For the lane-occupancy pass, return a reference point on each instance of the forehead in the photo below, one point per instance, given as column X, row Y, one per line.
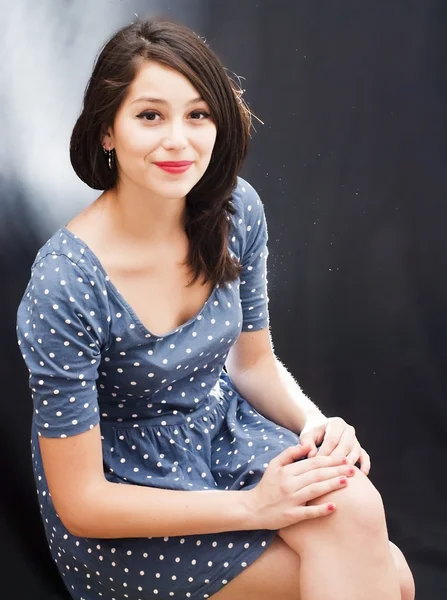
column 158, row 81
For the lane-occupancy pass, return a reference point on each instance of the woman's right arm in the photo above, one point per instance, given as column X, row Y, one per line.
column 63, row 331
column 92, row 507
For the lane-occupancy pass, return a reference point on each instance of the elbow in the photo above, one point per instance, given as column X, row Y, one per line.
column 81, row 516
column 77, row 524
column 76, row 530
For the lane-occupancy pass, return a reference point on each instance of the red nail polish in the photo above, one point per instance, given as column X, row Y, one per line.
column 343, row 480
column 331, row 507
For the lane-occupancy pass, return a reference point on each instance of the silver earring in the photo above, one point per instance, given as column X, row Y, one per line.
column 111, row 158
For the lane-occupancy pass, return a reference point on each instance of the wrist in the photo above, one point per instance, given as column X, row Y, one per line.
column 314, row 419
column 250, row 519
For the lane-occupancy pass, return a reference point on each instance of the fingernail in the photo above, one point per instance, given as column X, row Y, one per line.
column 343, row 480
column 331, row 507
column 344, row 460
column 351, row 470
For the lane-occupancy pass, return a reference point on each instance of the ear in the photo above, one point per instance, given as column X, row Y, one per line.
column 107, row 140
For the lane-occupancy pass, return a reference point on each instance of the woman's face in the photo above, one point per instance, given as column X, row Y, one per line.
column 162, row 119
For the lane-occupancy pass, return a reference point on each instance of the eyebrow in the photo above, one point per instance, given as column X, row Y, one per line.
column 160, row 101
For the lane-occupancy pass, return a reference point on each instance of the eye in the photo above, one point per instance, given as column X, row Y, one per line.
column 200, row 115
column 148, row 115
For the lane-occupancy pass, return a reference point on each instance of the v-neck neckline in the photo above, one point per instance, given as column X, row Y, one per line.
column 119, row 296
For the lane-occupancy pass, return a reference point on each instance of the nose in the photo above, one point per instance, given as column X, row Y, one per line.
column 175, row 136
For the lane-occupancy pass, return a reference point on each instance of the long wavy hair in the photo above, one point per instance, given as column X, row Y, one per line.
column 208, row 204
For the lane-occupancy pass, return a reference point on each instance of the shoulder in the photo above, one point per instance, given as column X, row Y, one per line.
column 246, row 201
column 61, row 243
column 65, row 277
column 249, row 224
column 64, row 258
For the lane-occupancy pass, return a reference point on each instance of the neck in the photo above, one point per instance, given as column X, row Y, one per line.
column 136, row 214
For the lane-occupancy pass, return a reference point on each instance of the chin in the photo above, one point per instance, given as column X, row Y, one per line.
column 172, row 190
column 175, row 189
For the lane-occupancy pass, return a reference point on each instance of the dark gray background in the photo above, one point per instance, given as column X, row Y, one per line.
column 351, row 165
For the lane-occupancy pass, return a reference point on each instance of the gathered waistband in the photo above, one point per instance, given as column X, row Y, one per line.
column 170, row 419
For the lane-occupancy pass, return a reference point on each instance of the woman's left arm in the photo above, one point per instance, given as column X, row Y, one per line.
column 266, row 384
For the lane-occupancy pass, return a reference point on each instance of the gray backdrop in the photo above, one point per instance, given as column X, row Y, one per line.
column 350, row 163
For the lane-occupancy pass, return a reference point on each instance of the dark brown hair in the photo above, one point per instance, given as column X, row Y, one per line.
column 209, row 203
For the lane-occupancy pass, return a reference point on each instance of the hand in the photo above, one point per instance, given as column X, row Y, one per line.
column 337, row 438
column 280, row 498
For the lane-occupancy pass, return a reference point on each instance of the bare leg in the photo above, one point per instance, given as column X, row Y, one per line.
column 276, row 576
column 273, row 576
column 346, row 556
column 407, row 588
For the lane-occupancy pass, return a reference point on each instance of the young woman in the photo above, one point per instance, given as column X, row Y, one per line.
column 165, row 430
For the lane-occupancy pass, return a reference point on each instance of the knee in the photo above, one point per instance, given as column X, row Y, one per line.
column 406, row 580
column 359, row 507
column 358, row 523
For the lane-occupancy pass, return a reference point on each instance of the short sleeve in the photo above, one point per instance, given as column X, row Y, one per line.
column 253, row 288
column 61, row 328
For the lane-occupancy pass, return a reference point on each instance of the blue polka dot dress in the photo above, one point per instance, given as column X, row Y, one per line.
column 169, row 414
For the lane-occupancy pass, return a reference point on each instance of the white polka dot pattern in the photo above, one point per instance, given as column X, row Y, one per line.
column 62, row 334
column 170, row 416
column 253, row 280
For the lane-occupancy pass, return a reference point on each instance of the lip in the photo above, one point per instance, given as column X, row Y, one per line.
column 174, row 167
column 174, row 163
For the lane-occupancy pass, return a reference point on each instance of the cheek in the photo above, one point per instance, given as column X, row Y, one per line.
column 206, row 141
column 135, row 139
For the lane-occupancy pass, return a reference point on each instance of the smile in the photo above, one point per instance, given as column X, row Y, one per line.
column 174, row 167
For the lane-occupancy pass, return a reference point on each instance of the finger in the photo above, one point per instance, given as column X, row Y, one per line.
column 316, row 433
column 291, row 454
column 304, row 513
column 315, row 490
column 354, row 455
column 318, row 445
column 318, row 462
column 365, row 462
column 308, row 439
column 332, row 436
column 347, row 442
column 322, row 475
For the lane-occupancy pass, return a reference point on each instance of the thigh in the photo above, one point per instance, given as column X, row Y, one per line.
column 359, row 509
column 273, row 576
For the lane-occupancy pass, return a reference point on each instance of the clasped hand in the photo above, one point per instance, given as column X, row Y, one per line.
column 321, row 463
column 335, row 438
